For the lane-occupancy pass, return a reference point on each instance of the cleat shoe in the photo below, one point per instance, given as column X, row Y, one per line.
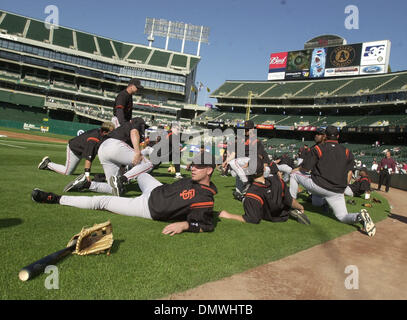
column 117, row 185
column 299, row 216
column 238, row 196
column 38, row 195
column 43, row 165
column 367, row 222
column 246, row 187
column 178, row 176
column 78, row 184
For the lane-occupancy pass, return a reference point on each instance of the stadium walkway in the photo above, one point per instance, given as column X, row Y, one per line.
column 319, row 272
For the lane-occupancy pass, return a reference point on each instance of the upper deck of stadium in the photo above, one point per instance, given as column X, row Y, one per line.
column 322, row 90
column 32, row 31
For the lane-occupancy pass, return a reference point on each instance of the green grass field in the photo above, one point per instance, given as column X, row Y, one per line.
column 144, row 263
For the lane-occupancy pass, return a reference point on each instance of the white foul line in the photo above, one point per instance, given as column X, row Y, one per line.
column 10, row 145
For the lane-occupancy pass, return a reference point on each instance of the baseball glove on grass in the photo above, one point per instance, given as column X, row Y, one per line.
column 93, row 240
column 299, row 216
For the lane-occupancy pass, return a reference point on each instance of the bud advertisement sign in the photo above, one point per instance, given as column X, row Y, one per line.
column 277, row 65
column 298, row 64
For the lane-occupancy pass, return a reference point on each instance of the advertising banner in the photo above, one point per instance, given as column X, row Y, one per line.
column 318, row 60
column 344, row 56
column 298, row 64
column 375, row 57
column 307, row 128
column 265, row 126
column 277, row 65
column 345, row 71
column 374, row 53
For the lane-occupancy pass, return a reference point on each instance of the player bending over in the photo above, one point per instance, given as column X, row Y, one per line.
column 84, row 146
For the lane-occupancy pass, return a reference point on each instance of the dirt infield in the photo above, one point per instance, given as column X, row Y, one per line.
column 26, row 136
column 319, row 272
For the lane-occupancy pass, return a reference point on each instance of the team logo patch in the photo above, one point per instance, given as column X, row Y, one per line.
column 187, row 194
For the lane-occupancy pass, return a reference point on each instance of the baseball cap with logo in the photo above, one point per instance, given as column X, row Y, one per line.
column 331, row 131
column 136, row 82
column 249, row 124
column 320, row 131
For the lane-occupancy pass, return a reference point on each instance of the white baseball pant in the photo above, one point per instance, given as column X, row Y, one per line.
column 286, row 170
column 71, row 163
column 116, row 122
column 135, row 207
column 237, row 166
column 335, row 200
column 112, row 154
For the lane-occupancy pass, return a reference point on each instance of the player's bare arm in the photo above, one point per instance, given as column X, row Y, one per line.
column 135, row 140
column 176, row 228
column 228, row 215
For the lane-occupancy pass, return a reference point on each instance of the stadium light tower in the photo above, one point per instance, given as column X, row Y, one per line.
column 176, row 30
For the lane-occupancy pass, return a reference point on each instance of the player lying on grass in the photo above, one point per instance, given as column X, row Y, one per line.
column 268, row 199
column 188, row 201
column 84, row 146
column 331, row 167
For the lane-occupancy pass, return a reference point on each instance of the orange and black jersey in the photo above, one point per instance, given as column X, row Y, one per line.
column 123, row 132
column 87, row 144
column 123, row 106
column 269, row 201
column 302, row 153
column 360, row 186
column 184, row 200
column 329, row 163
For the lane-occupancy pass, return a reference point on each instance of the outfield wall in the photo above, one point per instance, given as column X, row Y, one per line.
column 398, row 181
column 49, row 125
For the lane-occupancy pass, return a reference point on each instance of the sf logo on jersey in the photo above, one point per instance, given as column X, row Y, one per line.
column 187, row 194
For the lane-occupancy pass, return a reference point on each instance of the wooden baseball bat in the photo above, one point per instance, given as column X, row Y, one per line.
column 39, row 266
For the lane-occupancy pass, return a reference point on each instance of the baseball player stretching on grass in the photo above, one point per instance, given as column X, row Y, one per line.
column 331, row 168
column 189, row 201
column 268, row 199
column 120, row 147
column 83, row 146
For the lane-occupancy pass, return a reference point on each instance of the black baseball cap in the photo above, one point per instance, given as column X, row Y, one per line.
column 364, row 169
column 331, row 131
column 320, row 131
column 249, row 124
column 136, row 82
column 259, row 167
column 204, row 159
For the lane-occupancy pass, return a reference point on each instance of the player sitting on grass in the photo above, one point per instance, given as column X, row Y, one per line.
column 188, row 201
column 360, row 186
column 268, row 199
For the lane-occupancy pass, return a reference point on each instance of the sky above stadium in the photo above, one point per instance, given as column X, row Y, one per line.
column 243, row 33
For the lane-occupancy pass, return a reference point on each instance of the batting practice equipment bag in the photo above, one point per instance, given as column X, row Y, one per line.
column 93, row 240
